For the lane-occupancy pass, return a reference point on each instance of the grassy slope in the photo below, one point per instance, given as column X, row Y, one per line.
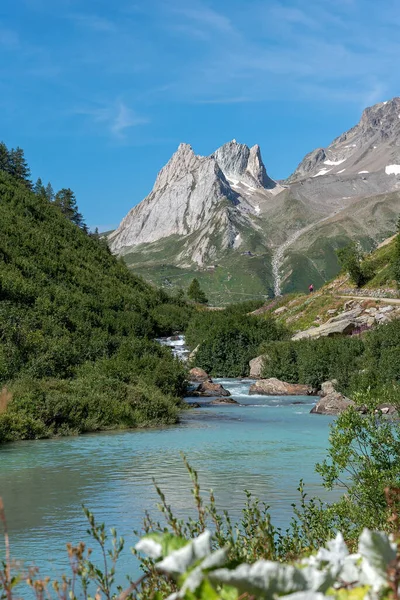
column 312, row 258
column 233, row 277
column 304, row 310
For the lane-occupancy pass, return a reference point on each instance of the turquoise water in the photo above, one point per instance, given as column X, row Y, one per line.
column 264, row 446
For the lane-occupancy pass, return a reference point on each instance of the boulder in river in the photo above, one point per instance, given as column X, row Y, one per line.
column 256, row 366
column 333, row 403
column 220, row 401
column 208, row 389
column 328, row 387
column 198, row 375
column 276, row 387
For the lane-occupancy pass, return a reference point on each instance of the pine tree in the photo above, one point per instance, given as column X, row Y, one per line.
column 66, row 201
column 39, row 188
column 196, row 293
column 4, row 158
column 19, row 167
column 49, row 192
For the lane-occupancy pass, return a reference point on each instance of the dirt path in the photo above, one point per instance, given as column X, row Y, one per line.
column 376, row 299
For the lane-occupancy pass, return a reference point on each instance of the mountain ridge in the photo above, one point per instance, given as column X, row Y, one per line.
column 207, row 212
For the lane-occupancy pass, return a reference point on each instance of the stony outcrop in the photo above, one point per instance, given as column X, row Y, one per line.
column 198, row 375
column 238, row 162
column 333, row 403
column 256, row 366
column 276, row 387
column 339, row 327
column 208, row 389
column 387, row 409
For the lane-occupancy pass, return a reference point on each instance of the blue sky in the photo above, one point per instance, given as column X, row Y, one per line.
column 100, row 93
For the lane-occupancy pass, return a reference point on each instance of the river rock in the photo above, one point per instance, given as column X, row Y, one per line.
column 209, row 389
column 256, row 366
column 193, row 353
column 328, row 387
column 198, row 375
column 219, row 401
column 276, row 387
column 333, row 403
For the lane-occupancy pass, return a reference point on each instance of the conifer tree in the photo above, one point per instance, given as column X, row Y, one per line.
column 4, row 158
column 49, row 192
column 196, row 293
column 19, row 167
column 39, row 188
column 66, row 201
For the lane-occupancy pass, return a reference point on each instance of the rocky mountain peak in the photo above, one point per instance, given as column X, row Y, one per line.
column 369, row 147
column 184, row 160
column 238, row 162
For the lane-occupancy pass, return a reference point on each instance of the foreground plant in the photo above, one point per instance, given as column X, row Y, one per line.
column 203, row 574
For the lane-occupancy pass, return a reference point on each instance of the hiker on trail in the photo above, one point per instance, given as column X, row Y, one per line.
column 311, row 288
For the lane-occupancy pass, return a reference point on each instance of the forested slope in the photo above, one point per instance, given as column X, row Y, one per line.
column 75, row 327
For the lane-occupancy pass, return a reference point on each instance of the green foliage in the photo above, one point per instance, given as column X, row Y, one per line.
column 171, row 318
column 196, row 293
column 75, row 327
column 65, row 200
column 228, row 340
column 352, row 261
column 244, row 308
column 364, row 459
column 313, row 361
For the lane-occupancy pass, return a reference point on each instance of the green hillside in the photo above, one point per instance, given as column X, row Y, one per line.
column 76, row 327
column 236, row 276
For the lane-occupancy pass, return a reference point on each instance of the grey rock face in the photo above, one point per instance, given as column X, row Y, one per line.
column 192, row 192
column 238, row 162
column 369, row 147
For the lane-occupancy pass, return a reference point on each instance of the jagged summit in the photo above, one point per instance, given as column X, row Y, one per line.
column 369, row 147
column 188, row 192
column 238, row 162
column 223, row 219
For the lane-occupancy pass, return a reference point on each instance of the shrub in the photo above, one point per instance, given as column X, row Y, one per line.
column 228, row 341
column 314, row 361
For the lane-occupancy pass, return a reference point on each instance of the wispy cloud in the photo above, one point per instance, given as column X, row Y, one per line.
column 116, row 118
column 267, row 50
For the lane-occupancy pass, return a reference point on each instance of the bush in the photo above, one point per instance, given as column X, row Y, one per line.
column 91, row 402
column 228, row 341
column 70, row 312
column 352, row 261
column 171, row 318
column 314, row 361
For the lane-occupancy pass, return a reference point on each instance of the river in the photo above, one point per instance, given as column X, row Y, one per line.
column 265, row 445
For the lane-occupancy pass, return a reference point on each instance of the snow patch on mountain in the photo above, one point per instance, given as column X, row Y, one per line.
column 334, row 163
column 392, row 170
